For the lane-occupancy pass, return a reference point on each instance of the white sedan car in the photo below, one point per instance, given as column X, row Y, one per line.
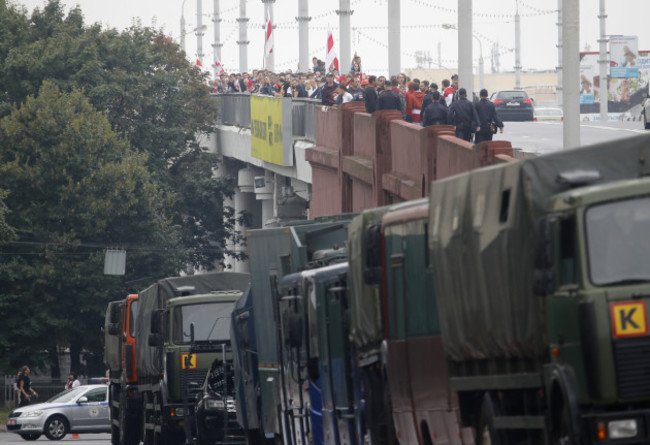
column 548, row 114
column 83, row 409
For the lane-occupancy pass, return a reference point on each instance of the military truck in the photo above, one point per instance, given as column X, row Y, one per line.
column 170, row 333
column 542, row 280
column 274, row 405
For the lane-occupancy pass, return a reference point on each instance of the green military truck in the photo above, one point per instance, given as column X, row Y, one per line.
column 170, row 333
column 542, row 277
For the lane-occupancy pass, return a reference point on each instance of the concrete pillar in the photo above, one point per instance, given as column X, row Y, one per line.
column 243, row 37
column 303, row 35
column 239, row 202
column 558, row 68
column 199, row 30
column 269, row 62
column 183, row 26
column 517, row 49
column 345, row 35
column 394, row 38
column 603, row 63
column 465, row 36
column 216, row 46
column 571, row 72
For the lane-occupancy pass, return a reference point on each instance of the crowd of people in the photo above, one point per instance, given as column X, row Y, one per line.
column 420, row 101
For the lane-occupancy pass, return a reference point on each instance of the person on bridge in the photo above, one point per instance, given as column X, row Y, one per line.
column 390, row 99
column 328, row 92
column 462, row 114
column 370, row 95
column 487, row 117
column 435, row 113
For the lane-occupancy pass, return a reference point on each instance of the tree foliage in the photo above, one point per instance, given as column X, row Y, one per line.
column 99, row 147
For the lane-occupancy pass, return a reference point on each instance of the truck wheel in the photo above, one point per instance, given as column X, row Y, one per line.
column 129, row 431
column 563, row 434
column 147, row 434
column 486, row 434
column 56, row 428
column 115, row 435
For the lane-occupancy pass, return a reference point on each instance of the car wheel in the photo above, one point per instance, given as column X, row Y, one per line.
column 56, row 428
column 30, row 436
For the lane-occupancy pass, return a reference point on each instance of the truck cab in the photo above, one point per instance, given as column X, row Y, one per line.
column 595, row 247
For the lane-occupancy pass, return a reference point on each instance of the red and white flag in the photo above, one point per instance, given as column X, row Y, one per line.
column 219, row 68
column 332, row 57
column 198, row 63
column 268, row 45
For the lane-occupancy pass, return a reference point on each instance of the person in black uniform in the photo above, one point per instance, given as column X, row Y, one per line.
column 487, row 115
column 463, row 115
column 435, row 113
column 370, row 95
column 389, row 100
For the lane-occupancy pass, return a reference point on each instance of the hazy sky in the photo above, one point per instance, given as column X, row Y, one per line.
column 421, row 28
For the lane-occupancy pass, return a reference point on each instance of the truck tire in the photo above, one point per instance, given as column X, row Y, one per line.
column 486, row 434
column 562, row 433
column 147, row 434
column 115, row 435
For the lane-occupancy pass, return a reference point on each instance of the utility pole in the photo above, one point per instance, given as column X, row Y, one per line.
column 199, row 30
column 183, row 26
column 303, row 20
column 243, row 37
column 465, row 35
column 345, row 34
column 394, row 38
column 216, row 46
column 268, row 12
column 603, row 64
column 558, row 68
column 517, row 48
column 571, row 72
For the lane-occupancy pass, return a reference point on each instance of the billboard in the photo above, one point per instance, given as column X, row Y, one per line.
column 587, row 95
column 272, row 130
column 624, row 52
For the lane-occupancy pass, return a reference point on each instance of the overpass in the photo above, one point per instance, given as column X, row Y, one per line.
column 296, row 159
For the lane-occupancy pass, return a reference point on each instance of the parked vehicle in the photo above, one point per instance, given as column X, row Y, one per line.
column 83, row 409
column 510, row 306
column 170, row 334
column 548, row 114
column 645, row 110
column 513, row 105
column 215, row 410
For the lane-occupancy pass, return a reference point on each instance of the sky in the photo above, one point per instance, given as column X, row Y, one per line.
column 421, row 21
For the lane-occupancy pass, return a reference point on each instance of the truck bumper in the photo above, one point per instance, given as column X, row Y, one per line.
column 175, row 418
column 617, row 428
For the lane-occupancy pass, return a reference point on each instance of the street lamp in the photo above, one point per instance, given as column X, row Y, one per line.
column 183, row 26
column 480, row 48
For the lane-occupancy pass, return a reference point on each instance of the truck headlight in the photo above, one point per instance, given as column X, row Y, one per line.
column 214, row 404
column 622, row 429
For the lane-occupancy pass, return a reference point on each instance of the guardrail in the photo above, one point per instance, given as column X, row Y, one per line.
column 235, row 110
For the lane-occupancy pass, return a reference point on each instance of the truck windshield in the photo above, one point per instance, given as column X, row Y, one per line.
column 211, row 322
column 618, row 238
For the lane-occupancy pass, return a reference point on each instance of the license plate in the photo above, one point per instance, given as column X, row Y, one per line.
column 513, row 104
column 11, row 422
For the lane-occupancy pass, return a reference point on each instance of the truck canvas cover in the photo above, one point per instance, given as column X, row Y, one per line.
column 148, row 359
column 482, row 239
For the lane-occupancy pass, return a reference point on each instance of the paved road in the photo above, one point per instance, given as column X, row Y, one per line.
column 84, row 439
column 545, row 137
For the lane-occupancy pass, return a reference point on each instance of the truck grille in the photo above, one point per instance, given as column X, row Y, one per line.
column 196, row 376
column 632, row 357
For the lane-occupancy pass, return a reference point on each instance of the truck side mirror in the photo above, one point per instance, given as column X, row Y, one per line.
column 115, row 313
column 155, row 340
column 295, row 330
column 156, row 322
column 543, row 274
column 113, row 329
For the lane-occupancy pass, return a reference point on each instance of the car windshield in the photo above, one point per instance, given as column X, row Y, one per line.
column 67, row 395
column 211, row 321
column 618, row 241
column 507, row 95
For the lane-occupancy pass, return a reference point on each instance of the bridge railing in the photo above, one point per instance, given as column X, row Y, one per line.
column 235, row 109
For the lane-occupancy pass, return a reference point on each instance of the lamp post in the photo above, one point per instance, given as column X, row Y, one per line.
column 183, row 26
column 480, row 58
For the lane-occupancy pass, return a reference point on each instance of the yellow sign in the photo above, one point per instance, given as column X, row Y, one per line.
column 188, row 361
column 267, row 139
column 629, row 319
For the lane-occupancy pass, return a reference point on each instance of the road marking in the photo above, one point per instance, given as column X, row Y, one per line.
column 612, row 128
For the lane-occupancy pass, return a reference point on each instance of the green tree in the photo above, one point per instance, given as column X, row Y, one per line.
column 76, row 187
